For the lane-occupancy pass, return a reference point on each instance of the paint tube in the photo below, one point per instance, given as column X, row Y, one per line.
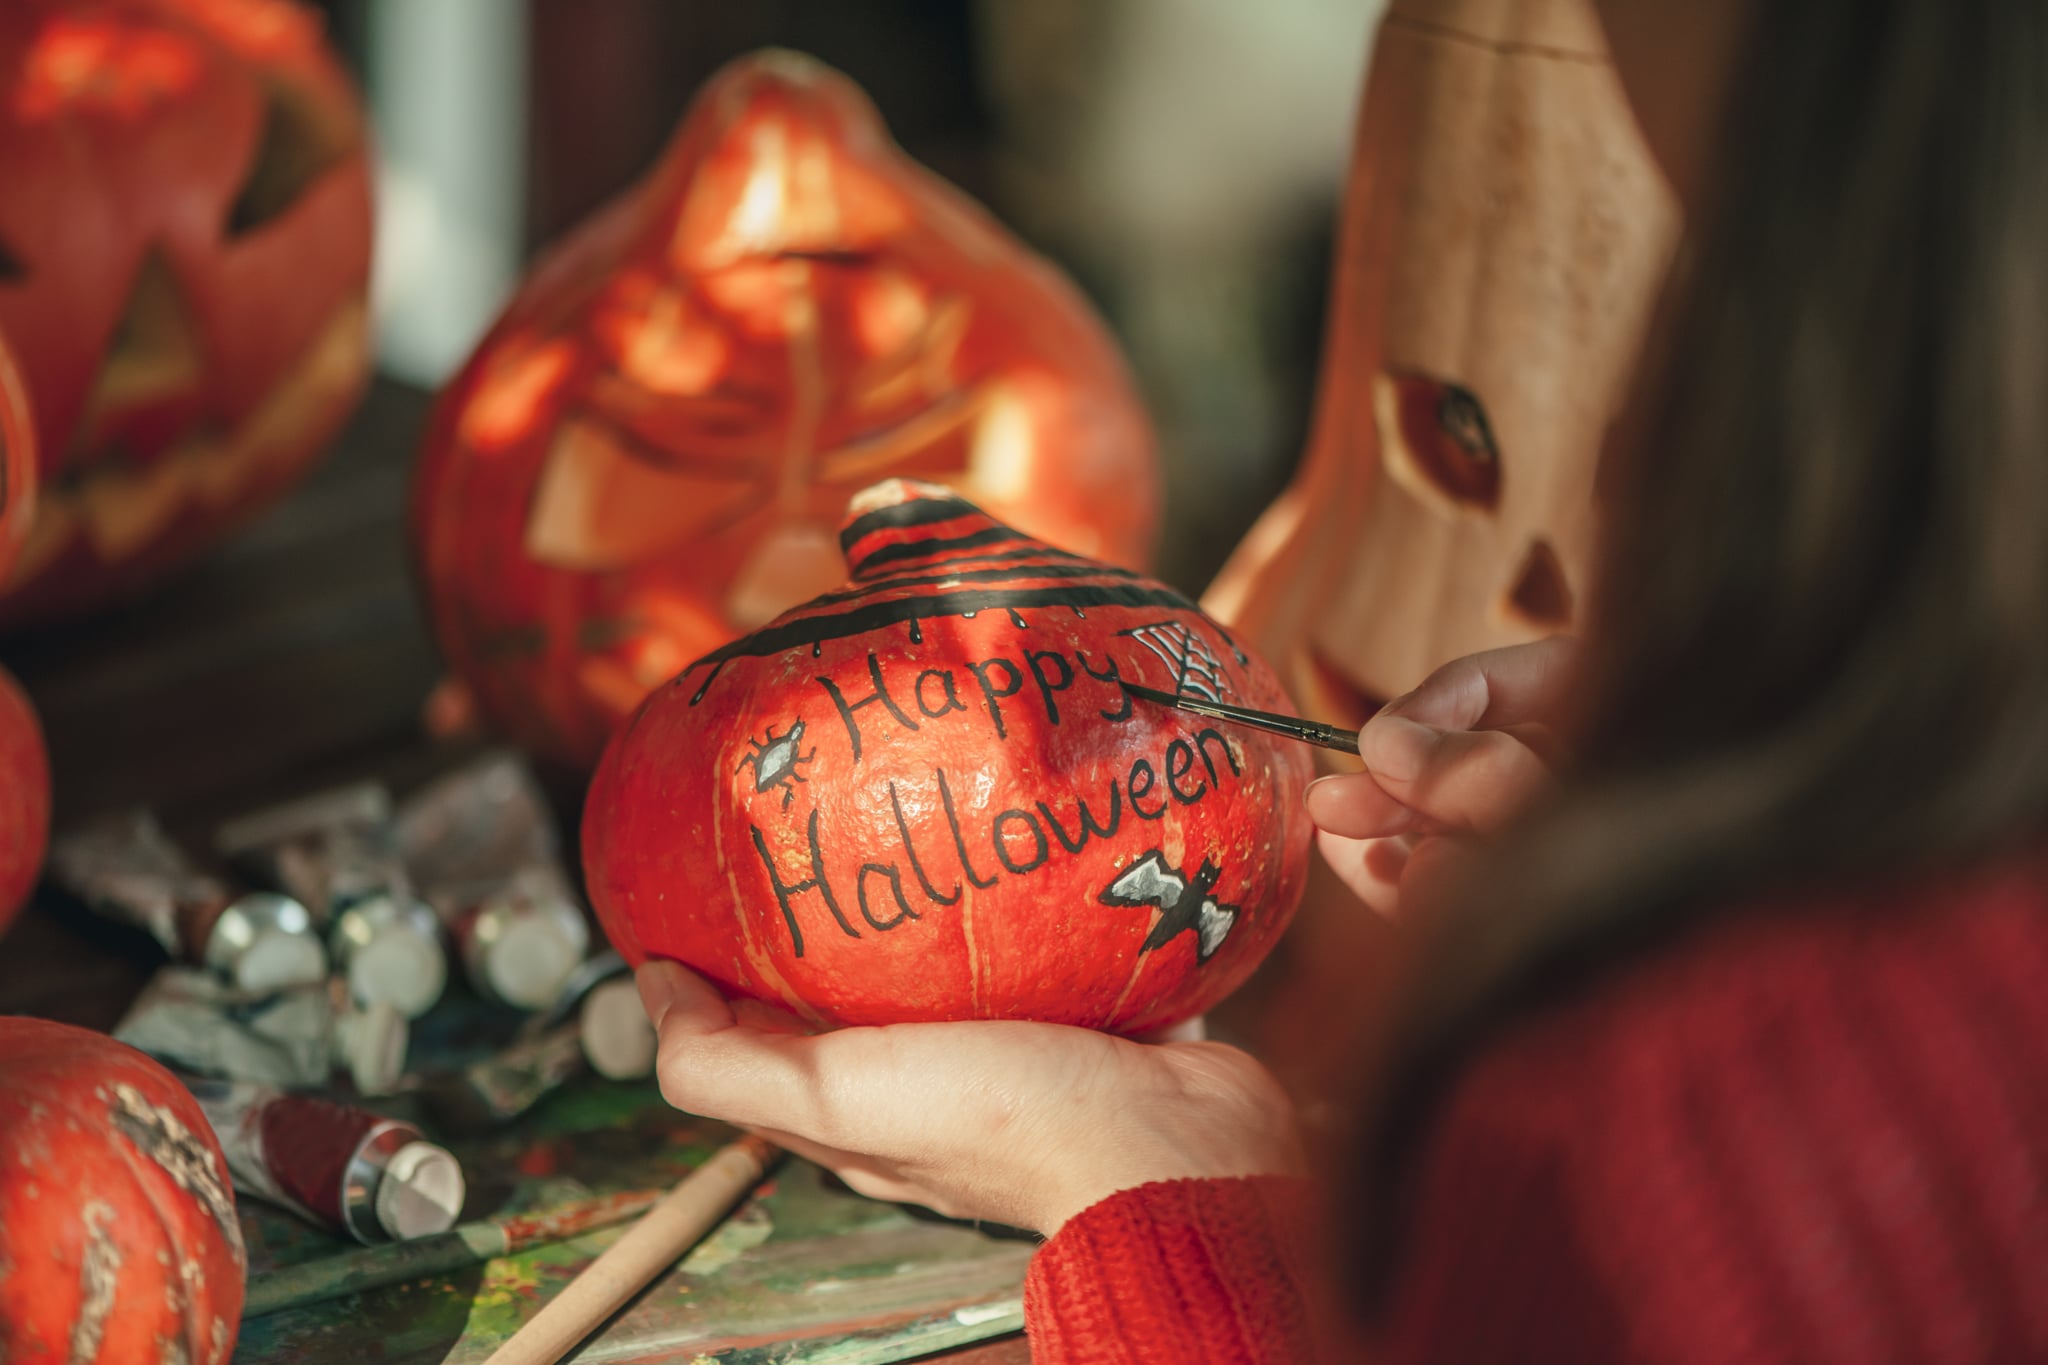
column 190, row 1020
column 336, row 851
column 125, row 868
column 618, row 1041
column 480, row 845
column 351, row 1171
column 503, row 1086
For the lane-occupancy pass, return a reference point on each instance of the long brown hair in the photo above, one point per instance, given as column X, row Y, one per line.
column 1820, row 650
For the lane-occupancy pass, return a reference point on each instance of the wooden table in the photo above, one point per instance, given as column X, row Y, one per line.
column 292, row 658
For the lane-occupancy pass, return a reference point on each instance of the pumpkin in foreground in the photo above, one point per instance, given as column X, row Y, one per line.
column 927, row 796
column 118, row 1238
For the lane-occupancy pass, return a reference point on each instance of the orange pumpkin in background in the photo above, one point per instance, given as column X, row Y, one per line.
column 184, row 266
column 24, row 764
column 651, row 452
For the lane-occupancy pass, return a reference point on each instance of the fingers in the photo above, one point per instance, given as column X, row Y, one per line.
column 1371, row 868
column 711, row 1063
column 1493, row 689
column 1355, row 806
column 1192, row 1030
column 1455, row 779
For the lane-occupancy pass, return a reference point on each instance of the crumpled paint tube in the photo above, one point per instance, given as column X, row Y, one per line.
column 191, row 1021
column 125, row 868
column 336, row 851
column 480, row 844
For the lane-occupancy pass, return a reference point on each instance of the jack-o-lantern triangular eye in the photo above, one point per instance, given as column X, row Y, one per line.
column 11, row 266
column 299, row 142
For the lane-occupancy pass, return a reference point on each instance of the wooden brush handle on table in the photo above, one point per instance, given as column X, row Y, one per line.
column 677, row 1222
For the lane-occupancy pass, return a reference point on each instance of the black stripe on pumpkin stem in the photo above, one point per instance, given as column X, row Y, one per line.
column 997, row 534
column 903, row 515
column 1013, row 574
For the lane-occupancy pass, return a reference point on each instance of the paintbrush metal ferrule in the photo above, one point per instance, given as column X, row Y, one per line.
column 1272, row 722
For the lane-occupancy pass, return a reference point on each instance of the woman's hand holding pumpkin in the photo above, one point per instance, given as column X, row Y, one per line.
column 1017, row 1123
column 1458, row 756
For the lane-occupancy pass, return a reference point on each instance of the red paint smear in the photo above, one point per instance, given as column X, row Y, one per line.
column 541, row 1160
column 563, row 1224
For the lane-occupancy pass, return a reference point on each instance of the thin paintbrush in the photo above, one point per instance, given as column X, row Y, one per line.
column 352, row 1272
column 1272, row 722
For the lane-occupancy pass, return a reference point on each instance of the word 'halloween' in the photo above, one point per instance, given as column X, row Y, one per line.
column 1018, row 841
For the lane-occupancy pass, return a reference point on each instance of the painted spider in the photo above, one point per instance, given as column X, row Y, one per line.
column 775, row 761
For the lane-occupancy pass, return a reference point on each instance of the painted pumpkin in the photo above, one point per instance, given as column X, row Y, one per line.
column 24, row 764
column 648, row 454
column 184, row 261
column 1504, row 236
column 118, row 1238
column 928, row 795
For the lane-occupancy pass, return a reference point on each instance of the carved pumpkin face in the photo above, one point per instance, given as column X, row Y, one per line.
column 24, row 765
column 184, row 260
column 649, row 453
column 1504, row 236
column 928, row 796
column 118, row 1237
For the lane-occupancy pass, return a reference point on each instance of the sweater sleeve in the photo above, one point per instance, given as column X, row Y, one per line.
column 1182, row 1270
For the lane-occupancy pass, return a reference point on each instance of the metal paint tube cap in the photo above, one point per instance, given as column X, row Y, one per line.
column 529, row 953
column 265, row 943
column 421, row 1192
column 390, row 948
column 617, row 1039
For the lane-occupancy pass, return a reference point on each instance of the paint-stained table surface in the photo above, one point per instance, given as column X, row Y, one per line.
column 295, row 657
column 805, row 1271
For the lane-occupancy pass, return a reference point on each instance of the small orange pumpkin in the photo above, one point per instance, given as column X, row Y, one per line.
column 929, row 796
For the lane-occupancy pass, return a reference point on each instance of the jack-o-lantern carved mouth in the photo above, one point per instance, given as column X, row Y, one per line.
column 120, row 506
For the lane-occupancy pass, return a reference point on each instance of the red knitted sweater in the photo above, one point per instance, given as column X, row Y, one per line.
column 1809, row 1137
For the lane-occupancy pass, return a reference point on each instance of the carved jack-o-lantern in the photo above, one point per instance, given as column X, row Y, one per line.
column 928, row 796
column 650, row 452
column 24, row 766
column 184, row 260
column 1504, row 236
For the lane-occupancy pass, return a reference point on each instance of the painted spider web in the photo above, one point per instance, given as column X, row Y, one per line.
column 1197, row 672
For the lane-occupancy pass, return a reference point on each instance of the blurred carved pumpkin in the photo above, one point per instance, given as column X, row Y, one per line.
column 24, row 765
column 1503, row 239
column 184, row 261
column 651, row 451
column 118, row 1238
